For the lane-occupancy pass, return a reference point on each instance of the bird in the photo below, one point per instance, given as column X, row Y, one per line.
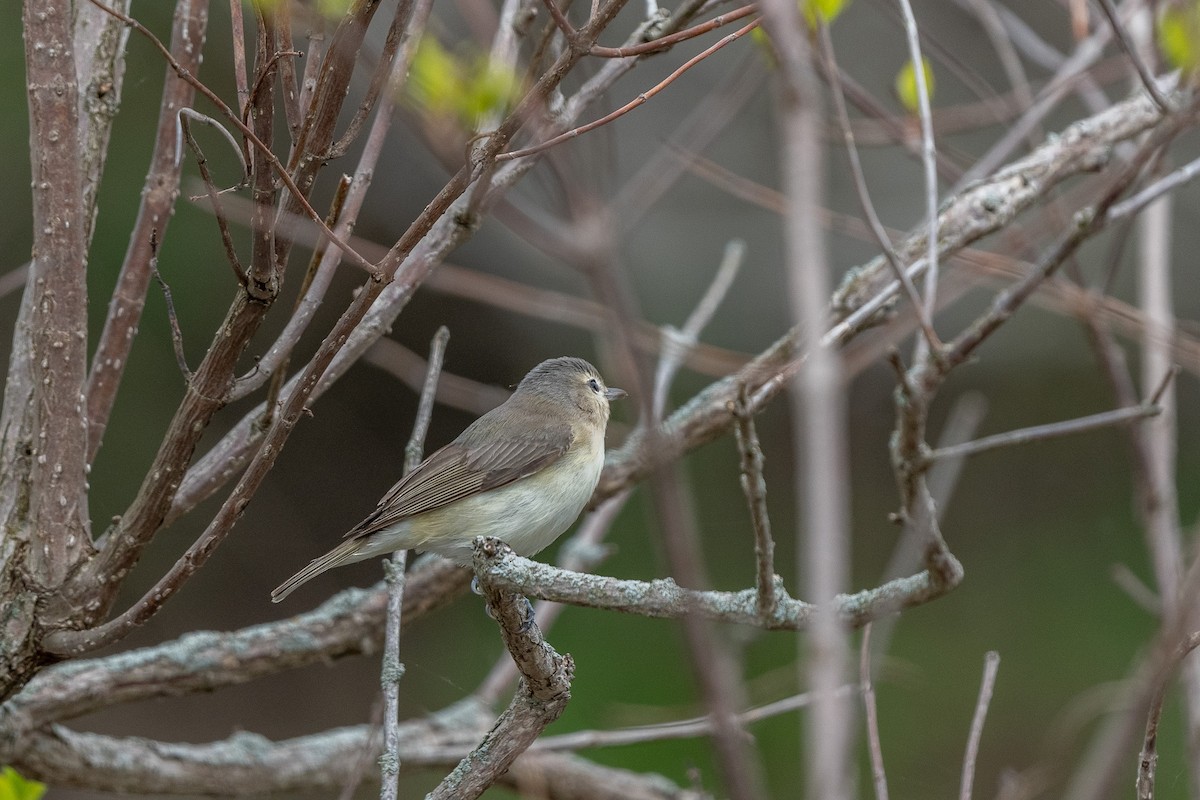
column 522, row 472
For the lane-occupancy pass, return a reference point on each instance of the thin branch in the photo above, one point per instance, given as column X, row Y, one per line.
column 159, row 191
column 276, row 359
column 678, row 729
column 393, row 669
column 632, row 104
column 210, row 188
column 250, row 765
column 176, row 334
column 818, row 407
column 386, row 78
column 874, row 747
column 540, row 699
column 929, row 161
column 1148, row 757
column 268, row 156
column 989, row 205
column 1053, row 430
column 1137, row 202
column 991, row 664
column 677, row 345
column 560, row 20
column 278, row 373
column 239, row 54
column 287, row 70
column 349, row 623
column 755, row 489
column 664, row 42
column 863, row 194
column 1131, row 53
column 1086, row 53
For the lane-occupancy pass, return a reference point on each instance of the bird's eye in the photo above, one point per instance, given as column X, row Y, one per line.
column 594, row 385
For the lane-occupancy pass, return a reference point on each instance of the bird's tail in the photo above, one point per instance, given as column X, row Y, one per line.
column 344, row 553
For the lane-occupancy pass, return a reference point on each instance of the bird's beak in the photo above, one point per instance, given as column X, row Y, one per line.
column 613, row 393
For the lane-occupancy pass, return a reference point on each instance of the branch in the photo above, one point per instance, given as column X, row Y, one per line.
column 159, row 193
column 991, row 204
column 349, row 623
column 395, row 579
column 1053, row 430
column 991, row 665
column 541, row 696
column 632, row 104
column 384, row 277
column 929, row 162
column 755, row 489
column 664, row 599
column 247, row 765
column 56, row 514
column 269, row 157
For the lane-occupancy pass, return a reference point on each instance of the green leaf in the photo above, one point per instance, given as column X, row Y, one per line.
column 825, row 10
column 906, row 85
column 434, row 80
column 14, row 787
column 1179, row 36
column 445, row 85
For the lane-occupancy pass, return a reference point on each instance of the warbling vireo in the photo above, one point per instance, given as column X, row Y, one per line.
column 522, row 473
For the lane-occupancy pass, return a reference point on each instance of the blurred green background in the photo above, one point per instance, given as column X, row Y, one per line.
column 1038, row 528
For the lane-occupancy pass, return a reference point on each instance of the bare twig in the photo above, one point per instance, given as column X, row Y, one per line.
column 386, row 78
column 1053, row 430
column 276, row 359
column 393, row 669
column 864, row 196
column 287, row 71
column 247, row 764
column 818, row 408
column 865, row 685
column 239, row 55
column 1118, row 28
column 677, row 345
column 665, row 599
column 263, row 149
column 662, row 43
column 678, row 729
column 929, row 161
column 632, row 104
column 755, row 489
column 160, row 189
column 210, row 188
column 1137, row 202
column 991, row 664
column 176, row 334
column 540, row 698
column 278, row 373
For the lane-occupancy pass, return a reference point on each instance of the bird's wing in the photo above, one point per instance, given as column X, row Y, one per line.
column 459, row 470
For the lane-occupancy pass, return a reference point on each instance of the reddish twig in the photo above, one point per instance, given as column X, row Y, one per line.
column 625, row 109
column 268, row 156
column 214, row 196
column 665, row 42
column 176, row 333
column 238, row 34
column 160, row 189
